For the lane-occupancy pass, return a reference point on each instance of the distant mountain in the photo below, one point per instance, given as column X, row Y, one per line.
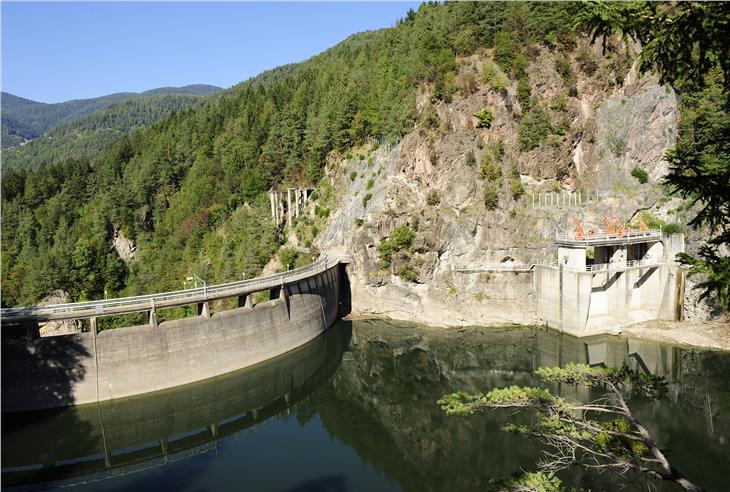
column 195, row 89
column 24, row 119
column 86, row 136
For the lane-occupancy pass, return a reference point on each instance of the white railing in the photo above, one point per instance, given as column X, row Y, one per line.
column 605, row 236
column 167, row 299
column 505, row 267
column 623, row 265
column 561, row 199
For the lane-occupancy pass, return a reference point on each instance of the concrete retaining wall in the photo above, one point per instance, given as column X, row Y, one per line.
column 588, row 303
column 77, row 369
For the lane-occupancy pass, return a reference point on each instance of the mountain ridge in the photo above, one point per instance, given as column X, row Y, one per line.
column 25, row 119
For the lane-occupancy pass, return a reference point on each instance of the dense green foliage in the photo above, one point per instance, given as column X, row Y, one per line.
column 700, row 172
column 528, row 481
column 86, row 136
column 491, row 196
column 687, row 44
column 401, row 239
column 534, row 128
column 516, row 188
column 484, row 118
column 23, row 119
column 190, row 190
column 640, row 175
column 433, row 198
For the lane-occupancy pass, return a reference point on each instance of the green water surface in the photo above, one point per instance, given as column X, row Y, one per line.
column 356, row 409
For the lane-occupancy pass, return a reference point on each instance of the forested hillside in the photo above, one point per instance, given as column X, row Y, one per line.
column 86, row 136
column 190, row 191
column 23, row 119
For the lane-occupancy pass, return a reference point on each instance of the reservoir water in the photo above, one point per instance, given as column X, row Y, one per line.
column 356, row 409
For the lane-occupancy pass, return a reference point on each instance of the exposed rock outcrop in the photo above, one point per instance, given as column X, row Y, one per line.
column 125, row 247
column 430, row 183
column 55, row 328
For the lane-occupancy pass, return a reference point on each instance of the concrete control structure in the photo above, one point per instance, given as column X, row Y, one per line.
column 605, row 280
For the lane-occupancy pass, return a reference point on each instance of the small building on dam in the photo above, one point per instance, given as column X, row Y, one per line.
column 604, row 280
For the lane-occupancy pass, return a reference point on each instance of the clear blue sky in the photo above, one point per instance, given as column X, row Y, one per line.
column 53, row 52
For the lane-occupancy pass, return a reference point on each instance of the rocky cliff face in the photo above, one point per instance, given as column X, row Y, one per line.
column 599, row 130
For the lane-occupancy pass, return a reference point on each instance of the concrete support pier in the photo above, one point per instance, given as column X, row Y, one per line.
column 603, row 282
column 285, row 210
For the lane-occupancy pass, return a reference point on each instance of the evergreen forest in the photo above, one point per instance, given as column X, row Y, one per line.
column 190, row 190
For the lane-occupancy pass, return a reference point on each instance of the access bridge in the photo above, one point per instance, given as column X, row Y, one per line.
column 200, row 296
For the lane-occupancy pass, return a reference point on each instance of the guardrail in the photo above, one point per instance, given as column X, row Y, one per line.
column 623, row 265
column 506, row 267
column 164, row 299
column 598, row 237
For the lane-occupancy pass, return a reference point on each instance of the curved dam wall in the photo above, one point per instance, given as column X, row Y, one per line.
column 86, row 368
column 122, row 436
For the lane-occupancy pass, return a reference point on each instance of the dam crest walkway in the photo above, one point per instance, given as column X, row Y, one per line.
column 150, row 302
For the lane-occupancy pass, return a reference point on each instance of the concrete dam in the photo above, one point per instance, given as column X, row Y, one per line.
column 601, row 280
column 115, row 437
column 90, row 367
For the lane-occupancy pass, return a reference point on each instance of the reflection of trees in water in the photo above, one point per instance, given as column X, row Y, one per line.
column 382, row 400
column 137, row 432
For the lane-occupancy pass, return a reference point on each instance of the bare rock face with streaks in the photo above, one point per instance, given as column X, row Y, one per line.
column 125, row 247
column 441, row 180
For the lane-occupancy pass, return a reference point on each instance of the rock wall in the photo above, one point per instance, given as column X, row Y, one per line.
column 615, row 121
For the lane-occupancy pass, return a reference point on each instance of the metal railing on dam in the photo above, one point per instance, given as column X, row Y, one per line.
column 602, row 238
column 123, row 305
column 98, row 365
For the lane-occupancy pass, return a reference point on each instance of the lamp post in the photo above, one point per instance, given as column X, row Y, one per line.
column 197, row 279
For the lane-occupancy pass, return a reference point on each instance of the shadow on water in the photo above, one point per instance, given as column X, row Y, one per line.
column 90, row 442
column 38, row 372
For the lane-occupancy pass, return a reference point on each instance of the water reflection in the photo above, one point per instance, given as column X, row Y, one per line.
column 122, row 436
column 368, row 388
column 382, row 402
